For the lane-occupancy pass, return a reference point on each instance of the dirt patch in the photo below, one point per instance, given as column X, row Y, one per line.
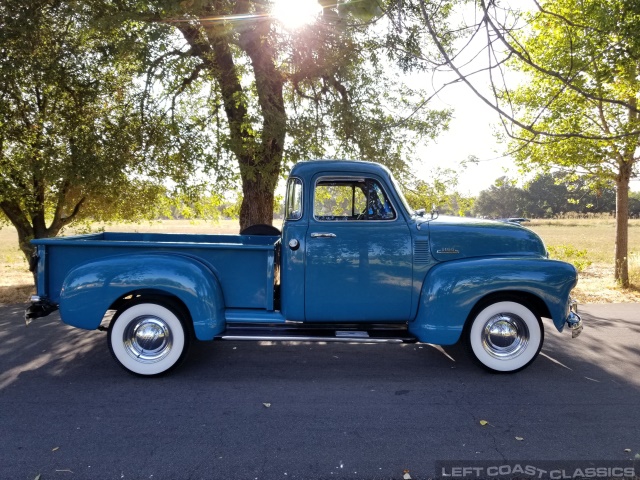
column 596, row 285
column 13, row 294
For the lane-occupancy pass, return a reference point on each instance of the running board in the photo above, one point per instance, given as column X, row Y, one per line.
column 298, row 338
column 318, row 333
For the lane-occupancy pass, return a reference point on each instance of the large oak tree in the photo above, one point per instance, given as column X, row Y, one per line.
column 322, row 90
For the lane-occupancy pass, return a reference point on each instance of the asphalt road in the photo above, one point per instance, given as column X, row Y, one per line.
column 244, row 410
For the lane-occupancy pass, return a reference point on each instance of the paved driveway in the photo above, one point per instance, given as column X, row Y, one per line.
column 243, row 410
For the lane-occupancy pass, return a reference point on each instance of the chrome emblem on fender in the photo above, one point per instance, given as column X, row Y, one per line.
column 447, row 250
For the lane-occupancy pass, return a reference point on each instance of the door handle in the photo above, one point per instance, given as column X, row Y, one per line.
column 323, row 235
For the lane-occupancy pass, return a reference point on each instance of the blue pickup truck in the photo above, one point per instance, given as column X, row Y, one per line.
column 353, row 263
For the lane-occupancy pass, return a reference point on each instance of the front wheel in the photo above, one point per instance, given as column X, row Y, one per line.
column 505, row 336
column 148, row 338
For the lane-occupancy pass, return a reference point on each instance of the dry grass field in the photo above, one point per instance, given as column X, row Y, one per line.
column 588, row 243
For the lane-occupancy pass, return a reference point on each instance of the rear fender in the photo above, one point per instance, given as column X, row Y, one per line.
column 90, row 289
column 452, row 289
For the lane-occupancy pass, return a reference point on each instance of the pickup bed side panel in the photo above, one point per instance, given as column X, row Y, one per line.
column 452, row 289
column 89, row 290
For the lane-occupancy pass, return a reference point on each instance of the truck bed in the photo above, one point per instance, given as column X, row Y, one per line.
column 245, row 265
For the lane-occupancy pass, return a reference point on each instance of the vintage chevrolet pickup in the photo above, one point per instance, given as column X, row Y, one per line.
column 354, row 263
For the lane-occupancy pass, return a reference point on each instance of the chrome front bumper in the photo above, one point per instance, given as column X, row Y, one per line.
column 573, row 320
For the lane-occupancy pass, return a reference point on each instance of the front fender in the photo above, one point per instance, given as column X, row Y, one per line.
column 452, row 289
column 90, row 289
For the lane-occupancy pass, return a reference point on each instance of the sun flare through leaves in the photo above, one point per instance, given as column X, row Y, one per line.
column 293, row 14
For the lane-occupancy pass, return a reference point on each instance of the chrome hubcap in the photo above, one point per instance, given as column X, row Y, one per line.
column 147, row 339
column 505, row 336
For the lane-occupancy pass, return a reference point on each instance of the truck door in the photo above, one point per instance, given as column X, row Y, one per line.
column 358, row 253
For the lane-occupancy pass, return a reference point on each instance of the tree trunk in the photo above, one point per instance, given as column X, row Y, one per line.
column 626, row 162
column 622, row 227
column 257, row 203
column 21, row 224
column 259, row 154
column 23, row 228
column 33, row 225
column 260, row 174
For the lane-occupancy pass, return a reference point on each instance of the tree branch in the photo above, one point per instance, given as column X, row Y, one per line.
column 495, row 106
column 551, row 73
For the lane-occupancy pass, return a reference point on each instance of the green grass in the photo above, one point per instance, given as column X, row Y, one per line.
column 568, row 253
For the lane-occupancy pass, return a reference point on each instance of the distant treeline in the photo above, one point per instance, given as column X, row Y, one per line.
column 549, row 196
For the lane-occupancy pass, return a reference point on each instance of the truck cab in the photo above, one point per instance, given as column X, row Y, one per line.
column 346, row 245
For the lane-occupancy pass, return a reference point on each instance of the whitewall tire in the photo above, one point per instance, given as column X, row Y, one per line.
column 148, row 338
column 505, row 336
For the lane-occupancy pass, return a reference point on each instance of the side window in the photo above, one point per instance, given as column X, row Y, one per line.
column 293, row 202
column 338, row 201
column 349, row 200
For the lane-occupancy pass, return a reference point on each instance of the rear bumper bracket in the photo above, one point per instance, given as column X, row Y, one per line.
column 40, row 307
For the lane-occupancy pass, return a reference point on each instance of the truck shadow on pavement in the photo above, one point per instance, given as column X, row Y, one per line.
column 54, row 349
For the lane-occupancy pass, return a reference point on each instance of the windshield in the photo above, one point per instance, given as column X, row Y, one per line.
column 396, row 185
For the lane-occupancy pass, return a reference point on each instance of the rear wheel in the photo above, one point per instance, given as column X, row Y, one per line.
column 148, row 338
column 505, row 336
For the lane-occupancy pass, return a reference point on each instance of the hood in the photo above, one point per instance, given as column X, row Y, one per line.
column 453, row 238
